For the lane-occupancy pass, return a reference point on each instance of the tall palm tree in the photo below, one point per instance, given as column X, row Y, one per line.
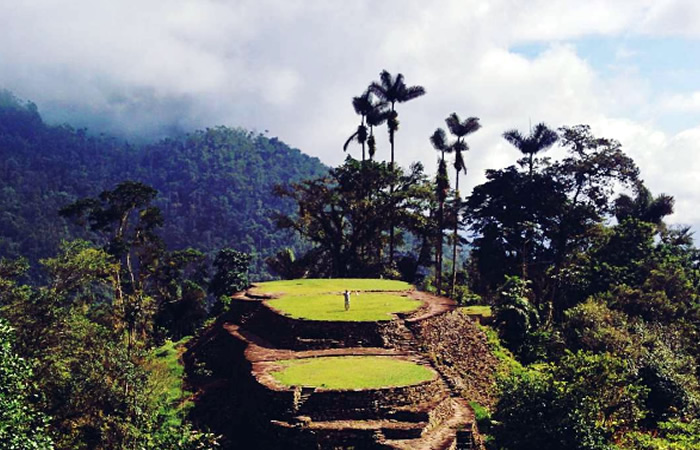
column 460, row 129
column 439, row 141
column 363, row 106
column 539, row 139
column 393, row 90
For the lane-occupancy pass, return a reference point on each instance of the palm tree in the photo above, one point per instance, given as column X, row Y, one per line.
column 392, row 91
column 460, row 130
column 439, row 141
column 363, row 106
column 376, row 117
column 540, row 139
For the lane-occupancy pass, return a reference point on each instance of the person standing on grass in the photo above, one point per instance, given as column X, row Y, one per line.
column 346, row 294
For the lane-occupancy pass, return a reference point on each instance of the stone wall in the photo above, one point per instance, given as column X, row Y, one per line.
column 460, row 352
column 298, row 334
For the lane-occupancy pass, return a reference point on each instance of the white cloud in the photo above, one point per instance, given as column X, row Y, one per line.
column 689, row 102
column 293, row 66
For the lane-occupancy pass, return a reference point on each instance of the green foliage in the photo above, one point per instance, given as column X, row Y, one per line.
column 96, row 382
column 508, row 365
column 671, row 435
column 593, row 326
column 231, row 272
column 513, row 313
column 581, row 403
column 345, row 216
column 22, row 426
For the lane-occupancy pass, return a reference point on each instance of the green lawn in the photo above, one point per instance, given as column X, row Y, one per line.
column 351, row 372
column 365, row 307
column 320, row 286
column 479, row 310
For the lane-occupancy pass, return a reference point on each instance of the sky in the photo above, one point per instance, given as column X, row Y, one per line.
column 289, row 68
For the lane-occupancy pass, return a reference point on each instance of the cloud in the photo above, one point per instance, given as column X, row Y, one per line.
column 689, row 102
column 292, row 67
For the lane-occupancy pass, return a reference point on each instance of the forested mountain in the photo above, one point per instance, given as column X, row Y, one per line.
column 215, row 186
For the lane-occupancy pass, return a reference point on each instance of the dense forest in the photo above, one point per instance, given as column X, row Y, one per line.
column 593, row 297
column 214, row 186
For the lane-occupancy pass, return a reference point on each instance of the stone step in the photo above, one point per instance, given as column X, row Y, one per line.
column 426, row 412
column 444, row 435
column 390, row 429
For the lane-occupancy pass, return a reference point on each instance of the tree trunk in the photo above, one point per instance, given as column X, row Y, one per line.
column 438, row 249
column 391, row 195
column 455, row 238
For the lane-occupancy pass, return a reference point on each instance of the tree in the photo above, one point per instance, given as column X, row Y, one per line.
column 392, row 91
column 372, row 114
column 460, row 130
column 375, row 117
column 100, row 394
column 345, row 214
column 539, row 139
column 231, row 274
column 513, row 313
column 442, row 184
column 584, row 402
column 127, row 223
column 644, row 206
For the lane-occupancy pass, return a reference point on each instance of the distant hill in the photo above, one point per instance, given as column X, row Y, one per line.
column 215, row 186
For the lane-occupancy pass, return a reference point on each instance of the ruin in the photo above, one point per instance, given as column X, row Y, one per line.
column 255, row 338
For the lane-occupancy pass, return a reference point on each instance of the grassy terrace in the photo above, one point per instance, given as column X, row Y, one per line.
column 351, row 372
column 365, row 307
column 322, row 299
column 321, row 286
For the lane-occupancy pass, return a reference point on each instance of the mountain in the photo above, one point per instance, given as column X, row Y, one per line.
column 215, row 185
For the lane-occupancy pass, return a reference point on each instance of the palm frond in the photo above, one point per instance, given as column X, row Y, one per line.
column 439, row 140
column 452, row 122
column 515, row 138
column 471, row 125
column 544, row 136
column 350, row 139
column 363, row 103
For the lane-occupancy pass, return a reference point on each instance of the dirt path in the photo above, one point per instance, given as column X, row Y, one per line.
column 433, row 306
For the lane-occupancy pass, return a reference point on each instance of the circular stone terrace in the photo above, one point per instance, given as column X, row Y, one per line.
column 319, row 303
column 356, row 371
column 371, row 300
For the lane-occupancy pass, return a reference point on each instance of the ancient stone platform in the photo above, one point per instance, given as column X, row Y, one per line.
column 425, row 415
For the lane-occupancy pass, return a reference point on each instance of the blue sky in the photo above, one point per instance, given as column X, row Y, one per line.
column 666, row 65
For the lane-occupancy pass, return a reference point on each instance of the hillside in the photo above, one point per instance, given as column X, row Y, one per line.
column 215, row 186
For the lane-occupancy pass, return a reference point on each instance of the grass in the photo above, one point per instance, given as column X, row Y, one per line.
column 478, row 310
column 321, row 286
column 351, row 372
column 507, row 364
column 365, row 307
column 168, row 374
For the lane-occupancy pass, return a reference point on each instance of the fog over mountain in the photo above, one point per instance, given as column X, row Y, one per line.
column 157, row 68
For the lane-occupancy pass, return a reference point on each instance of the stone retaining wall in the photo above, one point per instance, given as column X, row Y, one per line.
column 298, row 334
